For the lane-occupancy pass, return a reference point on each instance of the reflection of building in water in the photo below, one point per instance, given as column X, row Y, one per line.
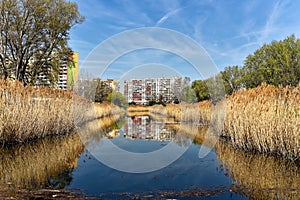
column 141, row 127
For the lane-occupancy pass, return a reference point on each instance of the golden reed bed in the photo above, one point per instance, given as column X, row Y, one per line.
column 138, row 108
column 198, row 113
column 27, row 112
column 264, row 119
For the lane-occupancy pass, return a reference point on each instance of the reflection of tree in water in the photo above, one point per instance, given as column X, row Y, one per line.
column 61, row 180
column 118, row 124
column 181, row 140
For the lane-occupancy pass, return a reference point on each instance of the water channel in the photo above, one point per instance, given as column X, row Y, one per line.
column 67, row 162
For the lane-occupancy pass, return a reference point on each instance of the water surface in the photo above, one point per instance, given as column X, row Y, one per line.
column 225, row 173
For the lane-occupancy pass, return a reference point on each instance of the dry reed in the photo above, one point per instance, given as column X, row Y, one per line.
column 138, row 108
column 27, row 112
column 198, row 113
column 265, row 119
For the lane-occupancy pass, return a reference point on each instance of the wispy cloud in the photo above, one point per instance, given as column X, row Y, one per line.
column 167, row 15
column 270, row 23
column 228, row 30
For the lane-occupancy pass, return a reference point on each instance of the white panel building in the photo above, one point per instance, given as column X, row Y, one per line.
column 142, row 91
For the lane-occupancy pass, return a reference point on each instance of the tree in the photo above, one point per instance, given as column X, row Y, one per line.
column 188, row 95
column 201, row 90
column 211, row 89
column 34, row 37
column 232, row 79
column 118, row 99
column 102, row 90
column 276, row 63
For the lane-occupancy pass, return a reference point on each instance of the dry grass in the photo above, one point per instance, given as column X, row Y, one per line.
column 265, row 119
column 27, row 113
column 265, row 177
column 159, row 110
column 132, row 114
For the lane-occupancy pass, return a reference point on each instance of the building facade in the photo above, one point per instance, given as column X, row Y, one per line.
column 142, row 91
column 68, row 73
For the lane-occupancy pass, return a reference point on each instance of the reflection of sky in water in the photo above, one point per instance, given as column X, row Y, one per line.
column 137, row 160
column 140, row 146
column 185, row 173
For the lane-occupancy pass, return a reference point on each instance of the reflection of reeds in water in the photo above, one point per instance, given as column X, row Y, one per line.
column 265, row 177
column 162, row 118
column 31, row 165
column 203, row 135
column 98, row 128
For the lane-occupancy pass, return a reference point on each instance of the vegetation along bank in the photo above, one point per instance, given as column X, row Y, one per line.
column 27, row 112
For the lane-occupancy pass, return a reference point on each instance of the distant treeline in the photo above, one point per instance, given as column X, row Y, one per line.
column 277, row 63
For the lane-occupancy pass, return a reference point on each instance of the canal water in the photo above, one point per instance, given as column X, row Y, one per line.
column 72, row 162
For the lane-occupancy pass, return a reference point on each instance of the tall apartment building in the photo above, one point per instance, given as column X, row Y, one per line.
column 68, row 73
column 67, row 76
column 142, row 91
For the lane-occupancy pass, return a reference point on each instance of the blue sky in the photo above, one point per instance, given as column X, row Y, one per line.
column 228, row 30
